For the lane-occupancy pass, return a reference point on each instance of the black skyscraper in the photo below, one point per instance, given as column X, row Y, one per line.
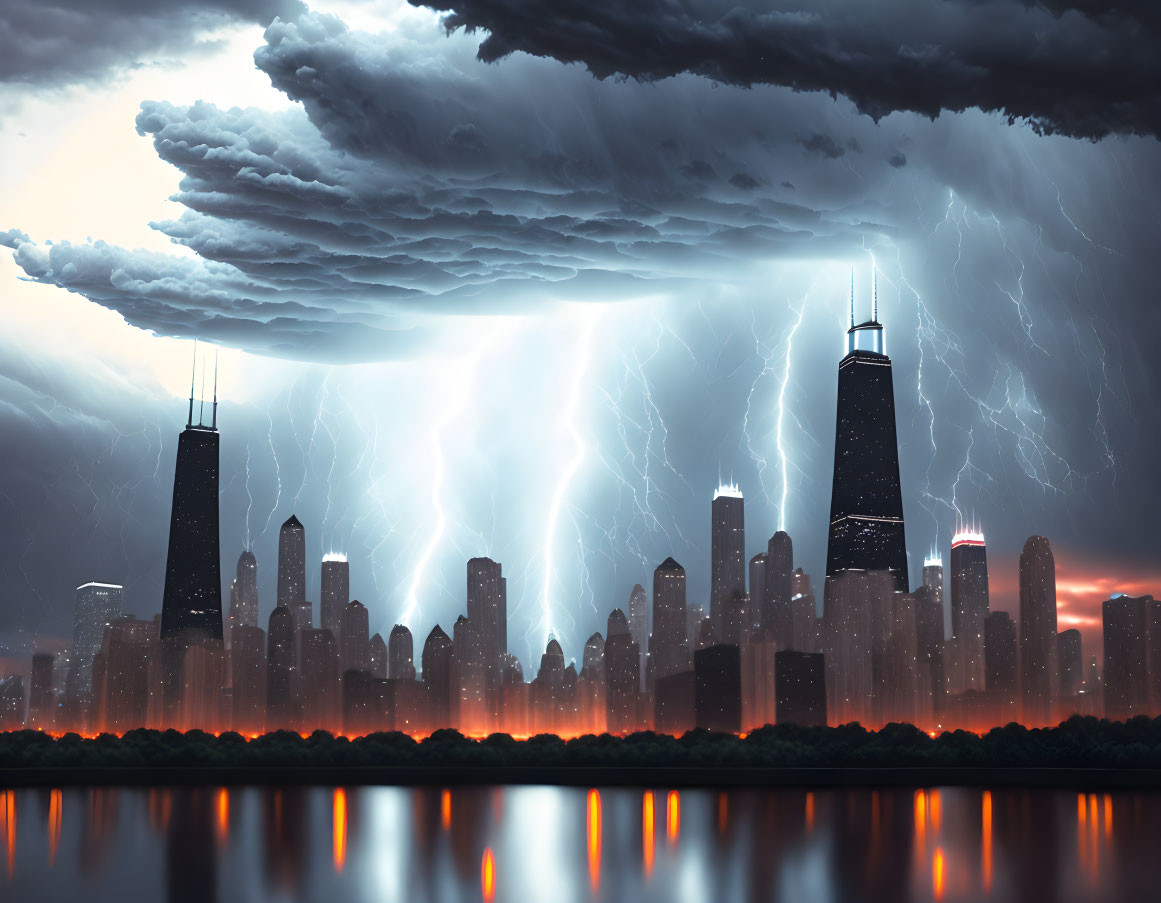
column 866, row 508
column 718, row 688
column 193, row 578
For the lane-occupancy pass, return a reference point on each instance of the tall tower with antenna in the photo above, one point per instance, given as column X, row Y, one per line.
column 866, row 509
column 192, row 600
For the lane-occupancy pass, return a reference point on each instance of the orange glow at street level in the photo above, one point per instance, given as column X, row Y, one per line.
column 809, row 812
column 593, row 832
column 488, row 876
column 8, row 818
column 723, row 812
column 223, row 817
column 445, row 809
column 54, row 822
column 673, row 816
column 339, row 827
column 937, row 877
column 987, row 841
column 936, row 811
column 647, row 834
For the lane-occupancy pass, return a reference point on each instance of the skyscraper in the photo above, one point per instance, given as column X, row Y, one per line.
column 41, row 697
column 335, row 591
column 1038, row 668
column 718, row 688
column 292, row 572
column 757, row 590
column 933, row 584
column 622, row 676
column 243, row 595
column 488, row 612
column 969, row 608
column 437, row 678
column 800, row 688
column 727, row 551
column 192, row 599
column 670, row 649
column 280, row 709
column 866, row 508
column 98, row 605
column 776, row 611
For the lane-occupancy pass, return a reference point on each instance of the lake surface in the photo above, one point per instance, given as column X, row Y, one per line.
column 532, row 844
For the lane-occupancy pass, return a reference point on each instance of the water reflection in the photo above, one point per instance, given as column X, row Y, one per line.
column 214, row 845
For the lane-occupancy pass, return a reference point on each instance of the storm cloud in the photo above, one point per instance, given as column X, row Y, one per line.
column 56, row 42
column 1080, row 68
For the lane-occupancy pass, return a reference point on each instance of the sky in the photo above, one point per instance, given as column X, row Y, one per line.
column 529, row 280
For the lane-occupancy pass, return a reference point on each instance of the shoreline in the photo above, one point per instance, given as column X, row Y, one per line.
column 805, row 778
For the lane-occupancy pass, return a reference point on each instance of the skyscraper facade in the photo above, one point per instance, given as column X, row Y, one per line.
column 97, row 606
column 354, row 638
column 335, row 591
column 488, row 612
column 1001, row 658
column 866, row 509
column 969, row 608
column 727, row 551
column 639, row 625
column 192, row 599
column 670, row 649
column 1070, row 661
column 1128, row 640
column 292, row 572
column 779, row 589
column 1038, row 666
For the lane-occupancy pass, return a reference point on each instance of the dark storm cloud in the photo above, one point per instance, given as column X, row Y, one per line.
column 1081, row 68
column 54, row 42
column 406, row 189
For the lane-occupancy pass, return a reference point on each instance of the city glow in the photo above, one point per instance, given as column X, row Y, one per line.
column 593, row 837
column 339, row 827
column 648, row 836
column 673, row 816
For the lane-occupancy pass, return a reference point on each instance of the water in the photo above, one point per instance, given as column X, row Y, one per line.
column 532, row 844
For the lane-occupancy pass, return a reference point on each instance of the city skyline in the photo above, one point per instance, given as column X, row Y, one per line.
column 411, row 396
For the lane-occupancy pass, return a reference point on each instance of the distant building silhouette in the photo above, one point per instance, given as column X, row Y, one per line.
column 1038, row 666
column 379, row 657
column 401, row 664
column 437, row 678
column 727, row 551
column 281, row 676
column 1001, row 661
column 321, row 703
column 354, row 638
column 41, row 693
column 718, row 688
column 243, row 595
column 622, row 676
column 1070, row 660
column 800, row 688
column 248, row 666
column 866, row 510
column 1130, row 634
column 639, row 626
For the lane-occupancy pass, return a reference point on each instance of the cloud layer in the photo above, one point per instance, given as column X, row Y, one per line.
column 1078, row 67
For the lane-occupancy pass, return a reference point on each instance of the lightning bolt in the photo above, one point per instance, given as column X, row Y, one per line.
column 568, row 421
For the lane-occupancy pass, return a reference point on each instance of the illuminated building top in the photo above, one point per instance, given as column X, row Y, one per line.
column 334, row 556
column 933, row 561
column 729, row 490
column 968, row 537
column 95, row 585
column 868, row 335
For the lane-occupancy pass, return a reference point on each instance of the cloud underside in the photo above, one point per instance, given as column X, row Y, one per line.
column 406, row 191
column 1085, row 68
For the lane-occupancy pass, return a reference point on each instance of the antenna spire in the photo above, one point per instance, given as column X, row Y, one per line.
column 202, row 397
column 875, row 294
column 215, row 414
column 852, row 297
column 192, row 376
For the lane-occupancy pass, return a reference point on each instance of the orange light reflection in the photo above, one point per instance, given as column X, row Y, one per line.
column 8, row 817
column 445, row 809
column 339, row 827
column 936, row 811
column 937, row 874
column 54, row 822
column 488, row 875
column 593, row 832
column 921, row 820
column 723, row 812
column 987, row 840
column 809, row 812
column 647, row 834
column 223, row 818
column 673, row 816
